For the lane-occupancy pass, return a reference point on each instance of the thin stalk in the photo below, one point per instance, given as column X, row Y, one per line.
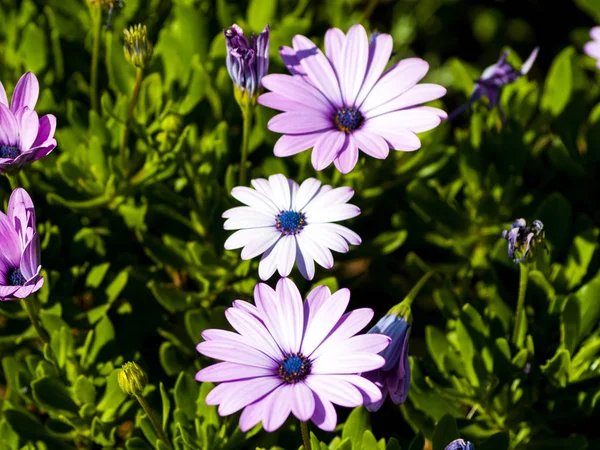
column 27, row 304
column 524, row 276
column 410, row 297
column 13, row 179
column 134, row 98
column 159, row 430
column 247, row 118
column 97, row 25
column 305, row 435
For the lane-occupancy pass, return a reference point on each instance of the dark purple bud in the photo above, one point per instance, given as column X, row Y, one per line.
column 523, row 239
column 460, row 444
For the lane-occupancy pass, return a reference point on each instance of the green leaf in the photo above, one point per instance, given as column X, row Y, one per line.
column 393, row 444
column 555, row 213
column 25, row 424
column 355, row 426
column 368, row 441
column 579, row 257
column 444, row 433
column 185, row 393
column 112, row 398
column 53, row 394
column 418, row 443
column 137, row 444
column 96, row 275
column 33, row 48
column 85, row 391
column 104, row 333
column 171, row 299
column 558, row 367
column 166, row 406
column 390, row 241
column 261, row 13
column 559, row 83
column 102, row 433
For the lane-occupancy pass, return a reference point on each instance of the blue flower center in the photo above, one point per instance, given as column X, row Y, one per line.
column 348, row 119
column 16, row 278
column 9, row 151
column 290, row 222
column 294, row 368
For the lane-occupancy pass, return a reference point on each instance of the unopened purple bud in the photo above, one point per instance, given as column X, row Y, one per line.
column 247, row 61
column 460, row 444
column 522, row 239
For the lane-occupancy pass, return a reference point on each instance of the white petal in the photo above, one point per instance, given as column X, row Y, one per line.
column 286, row 255
column 261, row 241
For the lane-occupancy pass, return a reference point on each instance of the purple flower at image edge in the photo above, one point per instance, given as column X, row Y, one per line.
column 247, row 61
column 394, row 377
column 19, row 249
column 289, row 357
column 342, row 101
column 460, row 444
column 493, row 79
column 592, row 48
column 24, row 137
column 289, row 223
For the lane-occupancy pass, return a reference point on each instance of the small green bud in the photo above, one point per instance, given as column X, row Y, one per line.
column 132, row 379
column 171, row 123
column 137, row 48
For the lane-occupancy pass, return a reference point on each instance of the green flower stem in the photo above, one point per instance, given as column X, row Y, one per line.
column 520, row 303
column 247, row 113
column 305, row 435
column 159, row 431
column 410, row 297
column 27, row 304
column 134, row 98
column 13, row 179
column 97, row 28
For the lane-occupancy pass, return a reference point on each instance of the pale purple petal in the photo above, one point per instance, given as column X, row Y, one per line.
column 350, row 324
column 262, row 241
column 303, row 402
column 290, row 144
column 336, row 389
column 46, row 129
column 28, row 128
column 324, row 416
column 595, row 33
column 314, row 301
column 395, row 82
column 350, row 236
column 397, row 138
column 3, row 97
column 10, row 256
column 370, row 392
column 592, row 49
column 308, row 190
column 235, row 352
column 318, row 68
column 371, row 144
column 9, row 128
column 288, row 55
column 315, row 250
column 26, row 93
column 347, row 157
column 240, row 239
column 325, row 319
column 254, row 331
column 418, row 94
column 328, row 238
column 280, row 191
column 30, row 259
column 304, row 259
column 272, row 312
column 354, row 63
column 333, row 213
column 417, row 119
column 226, row 371
column 300, row 121
column 334, row 45
column 292, row 312
column 252, row 415
column 255, row 199
column 246, row 217
column 277, row 408
column 268, row 263
column 234, row 395
column 327, row 198
column 380, row 51
column 327, row 148
column 294, row 88
column 27, row 289
column 347, row 363
column 286, row 255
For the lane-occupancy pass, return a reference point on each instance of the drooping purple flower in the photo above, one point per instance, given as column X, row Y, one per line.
column 343, row 102
column 493, row 79
column 460, row 444
column 292, row 357
column 23, row 137
column 19, row 249
column 522, row 238
column 289, row 223
column 247, row 61
column 592, row 48
column 394, row 377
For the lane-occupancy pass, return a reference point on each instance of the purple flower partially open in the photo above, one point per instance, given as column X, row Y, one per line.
column 247, row 62
column 494, row 78
column 459, row 444
column 522, row 239
column 289, row 357
column 23, row 137
column 592, row 48
column 19, row 249
column 394, row 377
column 343, row 100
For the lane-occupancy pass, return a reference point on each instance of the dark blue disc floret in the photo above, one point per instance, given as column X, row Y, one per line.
column 348, row 119
column 9, row 151
column 294, row 368
column 290, row 222
column 15, row 278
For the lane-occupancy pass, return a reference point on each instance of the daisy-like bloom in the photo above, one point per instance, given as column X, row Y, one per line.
column 592, row 48
column 247, row 61
column 19, row 249
column 343, row 101
column 291, row 357
column 494, row 78
column 288, row 223
column 23, row 137
column 394, row 377
column 522, row 240
column 460, row 444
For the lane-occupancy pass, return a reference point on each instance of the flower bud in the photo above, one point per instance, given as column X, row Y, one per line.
column 110, row 4
column 460, row 444
column 137, row 48
column 523, row 240
column 132, row 379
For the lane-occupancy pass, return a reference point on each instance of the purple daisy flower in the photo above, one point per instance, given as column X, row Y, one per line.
column 23, row 137
column 494, row 78
column 292, row 357
column 344, row 102
column 19, row 249
column 394, row 377
column 592, row 48
column 289, row 223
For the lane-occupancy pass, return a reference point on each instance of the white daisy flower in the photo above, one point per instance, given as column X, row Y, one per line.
column 285, row 223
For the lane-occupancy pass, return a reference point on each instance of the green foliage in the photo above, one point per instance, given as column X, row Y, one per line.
column 133, row 255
